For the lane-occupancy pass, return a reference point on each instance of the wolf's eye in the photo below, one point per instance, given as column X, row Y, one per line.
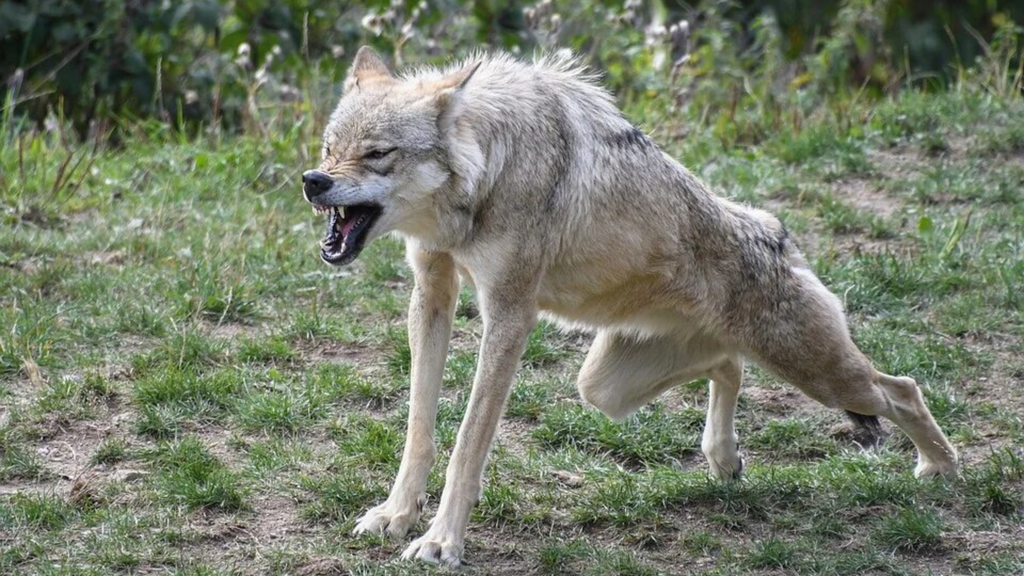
column 378, row 153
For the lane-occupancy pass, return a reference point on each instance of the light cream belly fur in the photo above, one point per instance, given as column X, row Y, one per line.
column 630, row 291
column 629, row 308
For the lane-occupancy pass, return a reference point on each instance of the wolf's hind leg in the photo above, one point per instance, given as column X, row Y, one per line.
column 720, row 444
column 904, row 405
column 623, row 372
column 815, row 353
column 871, row 393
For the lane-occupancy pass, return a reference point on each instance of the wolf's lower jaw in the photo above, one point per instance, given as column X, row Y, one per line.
column 347, row 228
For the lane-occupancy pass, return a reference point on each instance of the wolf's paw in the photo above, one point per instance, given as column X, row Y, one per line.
column 727, row 469
column 930, row 468
column 435, row 548
column 395, row 520
column 724, row 460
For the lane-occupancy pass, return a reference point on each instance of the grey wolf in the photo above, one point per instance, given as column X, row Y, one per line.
column 527, row 182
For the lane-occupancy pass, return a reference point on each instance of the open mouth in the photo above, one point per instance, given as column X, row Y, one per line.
column 347, row 227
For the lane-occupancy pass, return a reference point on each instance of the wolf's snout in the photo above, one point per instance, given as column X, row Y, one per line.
column 315, row 183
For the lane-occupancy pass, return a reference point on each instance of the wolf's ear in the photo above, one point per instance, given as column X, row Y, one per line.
column 367, row 64
column 457, row 81
column 446, row 89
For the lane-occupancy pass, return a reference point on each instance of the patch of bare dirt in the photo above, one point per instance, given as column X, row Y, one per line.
column 239, row 542
column 112, row 258
column 785, row 401
column 17, row 395
column 350, row 353
column 231, row 330
column 67, row 453
column 973, row 545
column 899, row 162
column 1002, row 387
column 865, row 195
column 323, row 567
column 216, row 438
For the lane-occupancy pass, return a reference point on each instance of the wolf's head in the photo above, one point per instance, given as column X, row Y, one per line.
column 385, row 155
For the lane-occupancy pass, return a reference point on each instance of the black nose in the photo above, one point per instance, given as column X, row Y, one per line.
column 315, row 183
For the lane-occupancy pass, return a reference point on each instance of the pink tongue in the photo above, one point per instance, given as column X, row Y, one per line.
column 347, row 226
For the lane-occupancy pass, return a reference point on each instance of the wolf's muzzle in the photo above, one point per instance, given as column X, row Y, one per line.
column 315, row 183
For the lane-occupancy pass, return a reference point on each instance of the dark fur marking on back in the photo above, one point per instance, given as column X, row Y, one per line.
column 776, row 245
column 783, row 237
column 562, row 160
column 631, row 138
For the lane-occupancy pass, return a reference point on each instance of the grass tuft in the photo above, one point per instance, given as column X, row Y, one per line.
column 111, row 451
column 190, row 476
column 17, row 461
column 369, row 442
column 273, row 350
column 45, row 512
column 542, row 347
column 183, row 351
column 772, row 553
column 909, row 530
column 201, row 396
column 338, row 496
column 791, row 438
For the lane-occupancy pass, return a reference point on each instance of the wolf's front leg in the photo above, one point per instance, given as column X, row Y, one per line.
column 431, row 309
column 506, row 328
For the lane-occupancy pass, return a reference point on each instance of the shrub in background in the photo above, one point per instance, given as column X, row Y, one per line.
column 237, row 64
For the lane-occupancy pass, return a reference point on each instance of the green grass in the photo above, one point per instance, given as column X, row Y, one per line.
column 202, row 395
column 275, row 455
column 111, row 451
column 772, row 553
column 190, row 476
column 337, row 496
column 172, row 343
column 791, row 438
column 18, row 463
column 653, row 435
column 36, row 512
column 909, row 529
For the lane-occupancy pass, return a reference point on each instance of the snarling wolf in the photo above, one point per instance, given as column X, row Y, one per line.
column 526, row 181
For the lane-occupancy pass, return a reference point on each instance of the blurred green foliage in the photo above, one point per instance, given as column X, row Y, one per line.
column 99, row 59
column 220, row 63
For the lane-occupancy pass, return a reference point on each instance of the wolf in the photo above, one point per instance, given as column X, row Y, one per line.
column 527, row 182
